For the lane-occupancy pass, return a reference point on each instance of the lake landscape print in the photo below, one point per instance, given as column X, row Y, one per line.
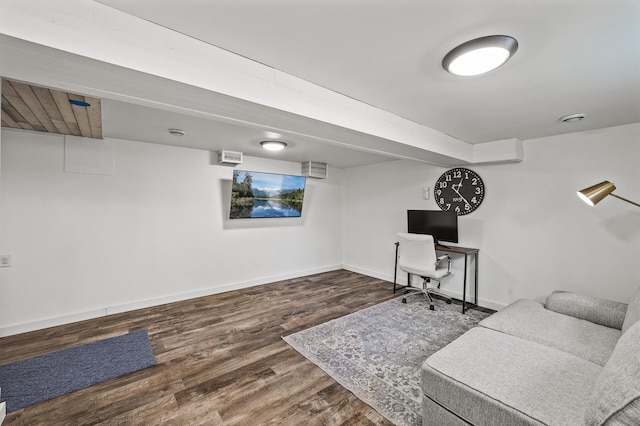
column 260, row 195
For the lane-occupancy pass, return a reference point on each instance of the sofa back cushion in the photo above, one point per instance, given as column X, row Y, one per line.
column 616, row 395
column 633, row 312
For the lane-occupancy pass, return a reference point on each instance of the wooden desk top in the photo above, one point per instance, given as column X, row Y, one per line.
column 457, row 249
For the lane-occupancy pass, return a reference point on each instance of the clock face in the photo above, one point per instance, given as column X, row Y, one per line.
column 459, row 190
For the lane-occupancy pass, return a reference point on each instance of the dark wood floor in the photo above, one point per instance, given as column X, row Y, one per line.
column 220, row 360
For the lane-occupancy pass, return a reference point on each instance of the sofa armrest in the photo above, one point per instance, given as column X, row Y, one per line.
column 599, row 311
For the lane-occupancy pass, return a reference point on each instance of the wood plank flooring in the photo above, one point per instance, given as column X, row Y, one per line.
column 220, row 360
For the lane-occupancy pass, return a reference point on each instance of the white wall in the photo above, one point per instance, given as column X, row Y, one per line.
column 86, row 245
column 534, row 234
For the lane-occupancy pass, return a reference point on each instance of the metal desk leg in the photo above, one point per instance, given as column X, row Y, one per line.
column 395, row 271
column 475, row 278
column 464, row 285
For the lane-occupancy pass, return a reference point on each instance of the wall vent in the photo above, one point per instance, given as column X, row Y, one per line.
column 229, row 157
column 315, row 170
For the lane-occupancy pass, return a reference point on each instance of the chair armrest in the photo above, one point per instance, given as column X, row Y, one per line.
column 598, row 311
column 443, row 257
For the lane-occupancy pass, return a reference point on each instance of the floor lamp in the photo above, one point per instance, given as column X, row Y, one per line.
column 596, row 193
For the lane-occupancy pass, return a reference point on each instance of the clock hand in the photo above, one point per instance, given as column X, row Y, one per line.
column 458, row 192
column 457, row 187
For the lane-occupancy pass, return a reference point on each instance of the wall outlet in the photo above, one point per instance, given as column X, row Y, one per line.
column 5, row 260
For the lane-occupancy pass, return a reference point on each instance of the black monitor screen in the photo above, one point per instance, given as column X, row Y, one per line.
column 442, row 225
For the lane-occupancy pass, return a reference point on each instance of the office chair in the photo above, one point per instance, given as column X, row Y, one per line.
column 416, row 255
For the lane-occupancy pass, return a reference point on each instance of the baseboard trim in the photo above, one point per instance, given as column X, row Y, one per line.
column 132, row 306
column 402, row 278
column 146, row 303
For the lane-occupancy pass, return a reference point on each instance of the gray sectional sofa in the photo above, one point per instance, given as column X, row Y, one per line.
column 573, row 361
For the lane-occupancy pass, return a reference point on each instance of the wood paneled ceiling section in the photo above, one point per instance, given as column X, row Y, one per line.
column 37, row 108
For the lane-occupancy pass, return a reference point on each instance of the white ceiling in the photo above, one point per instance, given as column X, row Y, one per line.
column 123, row 120
column 574, row 56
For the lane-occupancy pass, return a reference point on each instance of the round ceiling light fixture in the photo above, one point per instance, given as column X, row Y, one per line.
column 572, row 118
column 480, row 55
column 176, row 132
column 273, row 145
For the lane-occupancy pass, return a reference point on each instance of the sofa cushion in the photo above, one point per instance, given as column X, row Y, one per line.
column 616, row 394
column 488, row 377
column 633, row 312
column 531, row 321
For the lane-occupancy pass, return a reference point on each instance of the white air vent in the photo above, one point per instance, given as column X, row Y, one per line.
column 315, row 170
column 229, row 157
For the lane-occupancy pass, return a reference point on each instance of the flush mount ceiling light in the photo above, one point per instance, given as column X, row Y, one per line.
column 480, row 55
column 176, row 132
column 572, row 118
column 273, row 145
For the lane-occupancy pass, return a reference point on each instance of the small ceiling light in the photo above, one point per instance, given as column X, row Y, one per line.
column 273, row 145
column 177, row 132
column 480, row 55
column 572, row 118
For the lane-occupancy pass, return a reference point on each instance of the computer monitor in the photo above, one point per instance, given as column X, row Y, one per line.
column 442, row 225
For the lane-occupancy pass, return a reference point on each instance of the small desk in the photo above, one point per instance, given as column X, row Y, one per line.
column 467, row 251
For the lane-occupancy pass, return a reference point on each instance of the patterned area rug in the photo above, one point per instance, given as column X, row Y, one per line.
column 377, row 352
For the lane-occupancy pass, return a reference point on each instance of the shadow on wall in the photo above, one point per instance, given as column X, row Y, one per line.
column 625, row 226
column 508, row 282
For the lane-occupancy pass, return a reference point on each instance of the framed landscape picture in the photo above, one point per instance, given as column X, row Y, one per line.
column 264, row 195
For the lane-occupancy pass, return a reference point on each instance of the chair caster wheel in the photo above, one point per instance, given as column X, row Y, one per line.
column 404, row 300
column 448, row 301
column 431, row 307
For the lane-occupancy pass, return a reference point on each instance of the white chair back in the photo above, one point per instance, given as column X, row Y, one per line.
column 416, row 253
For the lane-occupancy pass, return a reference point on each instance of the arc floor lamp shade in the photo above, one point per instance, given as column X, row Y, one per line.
column 596, row 193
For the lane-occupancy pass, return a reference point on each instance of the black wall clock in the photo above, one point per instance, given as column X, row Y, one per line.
column 460, row 190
